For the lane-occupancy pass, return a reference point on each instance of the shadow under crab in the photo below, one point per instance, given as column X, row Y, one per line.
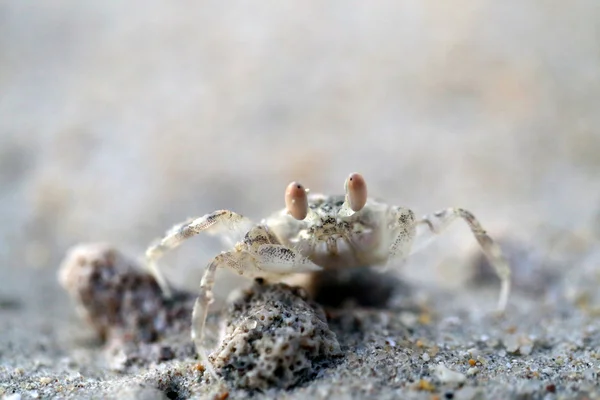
column 362, row 287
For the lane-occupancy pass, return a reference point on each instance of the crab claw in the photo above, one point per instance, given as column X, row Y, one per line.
column 296, row 200
column 356, row 191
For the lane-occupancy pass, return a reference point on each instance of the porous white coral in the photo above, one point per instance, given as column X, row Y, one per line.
column 274, row 337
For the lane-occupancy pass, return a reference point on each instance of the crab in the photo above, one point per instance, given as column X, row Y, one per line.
column 312, row 233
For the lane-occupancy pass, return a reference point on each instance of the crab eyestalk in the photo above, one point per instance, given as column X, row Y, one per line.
column 296, row 201
column 356, row 195
column 356, row 191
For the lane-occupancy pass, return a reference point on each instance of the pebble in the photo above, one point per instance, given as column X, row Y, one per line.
column 446, row 375
column 526, row 349
column 473, row 352
column 118, row 361
column 511, row 343
column 44, row 380
column 425, row 357
column 408, row 319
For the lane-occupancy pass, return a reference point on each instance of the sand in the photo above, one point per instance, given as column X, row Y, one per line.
column 119, row 120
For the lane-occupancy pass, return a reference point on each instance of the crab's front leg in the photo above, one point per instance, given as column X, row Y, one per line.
column 436, row 223
column 219, row 222
column 239, row 261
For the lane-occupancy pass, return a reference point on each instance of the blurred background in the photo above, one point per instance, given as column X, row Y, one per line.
column 119, row 119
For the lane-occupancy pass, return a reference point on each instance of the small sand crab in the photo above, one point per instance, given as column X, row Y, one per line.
column 315, row 232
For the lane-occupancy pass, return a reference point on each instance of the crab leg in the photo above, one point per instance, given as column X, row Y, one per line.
column 213, row 223
column 440, row 220
column 404, row 232
column 200, row 312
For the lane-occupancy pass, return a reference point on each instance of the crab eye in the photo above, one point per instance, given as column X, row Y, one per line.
column 356, row 191
column 296, row 200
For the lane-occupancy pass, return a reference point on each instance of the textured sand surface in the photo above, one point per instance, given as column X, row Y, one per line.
column 119, row 119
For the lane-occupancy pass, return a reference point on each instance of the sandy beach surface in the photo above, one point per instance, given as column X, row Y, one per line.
column 118, row 120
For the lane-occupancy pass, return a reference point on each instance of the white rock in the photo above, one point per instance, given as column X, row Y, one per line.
column 446, row 375
column 511, row 343
column 526, row 349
